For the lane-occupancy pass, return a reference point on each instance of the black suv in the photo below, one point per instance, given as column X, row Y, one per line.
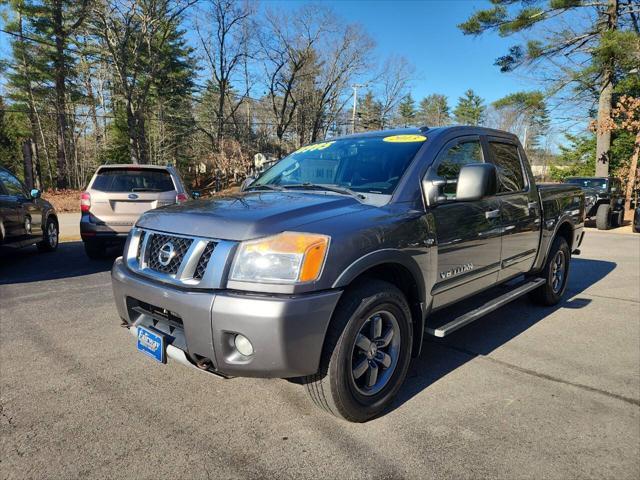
column 604, row 200
column 25, row 218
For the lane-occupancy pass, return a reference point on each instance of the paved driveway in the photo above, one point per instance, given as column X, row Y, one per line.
column 526, row 392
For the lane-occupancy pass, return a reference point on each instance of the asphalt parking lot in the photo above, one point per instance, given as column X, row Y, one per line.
column 526, row 392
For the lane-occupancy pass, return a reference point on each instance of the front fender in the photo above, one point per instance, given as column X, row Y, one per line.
column 380, row 257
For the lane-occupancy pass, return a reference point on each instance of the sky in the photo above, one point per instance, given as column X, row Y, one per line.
column 426, row 33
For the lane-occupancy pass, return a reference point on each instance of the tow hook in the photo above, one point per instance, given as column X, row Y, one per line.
column 204, row 364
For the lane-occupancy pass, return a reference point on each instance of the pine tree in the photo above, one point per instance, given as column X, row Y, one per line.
column 434, row 110
column 137, row 40
column 470, row 109
column 369, row 112
column 527, row 115
column 52, row 24
column 407, row 111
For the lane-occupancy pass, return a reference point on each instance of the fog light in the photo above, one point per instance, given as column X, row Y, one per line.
column 243, row 345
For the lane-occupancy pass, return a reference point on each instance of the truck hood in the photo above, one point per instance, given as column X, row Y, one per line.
column 248, row 215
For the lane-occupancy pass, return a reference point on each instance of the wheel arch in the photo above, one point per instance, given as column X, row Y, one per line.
column 565, row 230
column 397, row 268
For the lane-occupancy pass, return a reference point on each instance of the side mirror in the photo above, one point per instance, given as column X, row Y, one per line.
column 476, row 181
column 246, row 182
column 195, row 194
column 35, row 193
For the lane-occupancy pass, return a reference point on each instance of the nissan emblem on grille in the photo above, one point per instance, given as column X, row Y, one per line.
column 166, row 254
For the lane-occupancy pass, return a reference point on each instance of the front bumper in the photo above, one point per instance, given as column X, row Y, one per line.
column 287, row 331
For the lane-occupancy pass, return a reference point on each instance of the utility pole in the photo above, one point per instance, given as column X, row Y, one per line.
column 355, row 87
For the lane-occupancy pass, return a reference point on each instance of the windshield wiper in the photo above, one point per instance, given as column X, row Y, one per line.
column 265, row 186
column 328, row 188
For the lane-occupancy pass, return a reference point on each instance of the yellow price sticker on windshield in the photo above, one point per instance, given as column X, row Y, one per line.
column 404, row 138
column 315, row 147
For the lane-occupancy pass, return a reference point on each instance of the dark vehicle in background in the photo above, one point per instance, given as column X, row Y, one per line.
column 25, row 218
column 116, row 197
column 636, row 220
column 604, row 200
column 333, row 264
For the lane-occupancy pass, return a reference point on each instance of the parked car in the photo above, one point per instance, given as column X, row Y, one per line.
column 604, row 199
column 25, row 218
column 636, row 220
column 116, row 197
column 332, row 265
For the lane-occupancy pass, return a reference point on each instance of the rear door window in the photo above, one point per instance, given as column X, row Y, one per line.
column 507, row 161
column 132, row 180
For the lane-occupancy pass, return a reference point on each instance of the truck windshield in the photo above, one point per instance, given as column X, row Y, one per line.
column 595, row 183
column 367, row 165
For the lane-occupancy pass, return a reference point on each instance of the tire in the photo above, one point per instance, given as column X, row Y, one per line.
column 95, row 250
column 50, row 236
column 551, row 292
column 619, row 217
column 603, row 217
column 347, row 385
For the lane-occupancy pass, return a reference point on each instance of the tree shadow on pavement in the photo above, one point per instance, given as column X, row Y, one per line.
column 27, row 265
column 441, row 356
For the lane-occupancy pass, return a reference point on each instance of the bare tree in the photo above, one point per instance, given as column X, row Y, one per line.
column 288, row 44
column 224, row 39
column 346, row 57
column 393, row 83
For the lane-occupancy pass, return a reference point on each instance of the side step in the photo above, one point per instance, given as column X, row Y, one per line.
column 488, row 307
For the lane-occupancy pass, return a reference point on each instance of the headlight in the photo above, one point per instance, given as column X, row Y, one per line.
column 288, row 257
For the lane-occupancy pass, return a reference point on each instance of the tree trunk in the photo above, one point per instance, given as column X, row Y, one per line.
column 37, row 166
column 603, row 139
column 137, row 136
column 631, row 179
column 143, row 149
column 27, row 163
column 223, row 90
column 60, row 86
column 34, row 118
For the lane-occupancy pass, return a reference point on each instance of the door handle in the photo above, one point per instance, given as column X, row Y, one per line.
column 492, row 214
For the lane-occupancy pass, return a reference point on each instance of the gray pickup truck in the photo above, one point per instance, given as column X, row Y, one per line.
column 331, row 267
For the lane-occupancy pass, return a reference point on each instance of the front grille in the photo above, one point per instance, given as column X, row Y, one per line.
column 140, row 242
column 204, row 261
column 156, row 242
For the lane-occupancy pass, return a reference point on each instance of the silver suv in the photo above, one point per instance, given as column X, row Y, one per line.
column 116, row 197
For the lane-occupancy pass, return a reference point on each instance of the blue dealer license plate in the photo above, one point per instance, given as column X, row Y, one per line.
column 152, row 344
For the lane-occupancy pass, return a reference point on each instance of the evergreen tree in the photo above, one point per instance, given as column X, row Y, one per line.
column 470, row 109
column 52, row 24
column 12, row 133
column 434, row 110
column 143, row 43
column 526, row 114
column 369, row 112
column 407, row 111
